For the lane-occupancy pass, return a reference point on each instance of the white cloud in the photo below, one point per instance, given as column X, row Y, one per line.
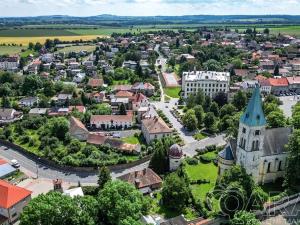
column 146, row 7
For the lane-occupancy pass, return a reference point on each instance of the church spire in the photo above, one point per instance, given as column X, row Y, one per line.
column 254, row 115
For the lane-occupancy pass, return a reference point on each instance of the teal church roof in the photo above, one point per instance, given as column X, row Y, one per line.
column 254, row 115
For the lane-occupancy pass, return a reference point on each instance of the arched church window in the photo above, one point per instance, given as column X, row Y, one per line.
column 256, row 145
column 279, row 166
column 244, row 144
column 269, row 167
column 253, row 145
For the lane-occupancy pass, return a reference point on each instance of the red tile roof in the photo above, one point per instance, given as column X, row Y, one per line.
column 108, row 118
column 79, row 108
column 143, row 178
column 2, row 161
column 123, row 94
column 11, row 195
column 279, row 81
column 293, row 80
column 95, row 82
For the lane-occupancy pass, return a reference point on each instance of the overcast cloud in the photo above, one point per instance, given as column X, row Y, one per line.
column 147, row 7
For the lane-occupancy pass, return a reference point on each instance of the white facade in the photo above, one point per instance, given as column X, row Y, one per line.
column 9, row 63
column 249, row 148
column 211, row 83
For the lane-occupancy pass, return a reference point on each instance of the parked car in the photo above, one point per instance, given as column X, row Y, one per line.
column 116, row 135
column 15, row 163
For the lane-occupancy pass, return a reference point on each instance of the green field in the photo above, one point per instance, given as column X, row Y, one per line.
column 172, row 92
column 10, row 50
column 78, row 48
column 35, row 32
column 201, row 171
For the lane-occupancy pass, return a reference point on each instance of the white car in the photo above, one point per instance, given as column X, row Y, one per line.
column 15, row 163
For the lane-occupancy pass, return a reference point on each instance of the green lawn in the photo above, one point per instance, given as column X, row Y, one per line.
column 131, row 140
column 78, row 48
column 173, row 92
column 200, row 136
column 202, row 171
column 10, row 50
column 210, row 155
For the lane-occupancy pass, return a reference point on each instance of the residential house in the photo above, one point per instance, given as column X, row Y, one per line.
column 279, row 85
column 74, row 65
column 97, row 97
column 9, row 63
column 62, row 99
column 155, row 128
column 130, row 64
column 294, row 84
column 112, row 121
column 12, row 201
column 95, row 83
column 78, row 78
column 145, row 180
column 73, row 192
column 139, row 100
column 9, row 115
column 38, row 111
column 29, row 101
column 145, row 88
column 79, row 108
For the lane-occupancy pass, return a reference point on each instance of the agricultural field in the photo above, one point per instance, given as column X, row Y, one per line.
column 88, row 48
column 35, row 32
column 10, row 50
column 26, row 40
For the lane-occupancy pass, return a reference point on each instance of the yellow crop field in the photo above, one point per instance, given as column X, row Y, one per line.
column 25, row 40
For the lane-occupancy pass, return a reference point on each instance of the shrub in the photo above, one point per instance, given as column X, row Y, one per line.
column 205, row 159
column 192, row 161
column 211, row 148
column 90, row 190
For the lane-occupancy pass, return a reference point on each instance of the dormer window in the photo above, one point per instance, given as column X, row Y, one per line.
column 258, row 117
column 247, row 115
column 244, row 130
column 257, row 132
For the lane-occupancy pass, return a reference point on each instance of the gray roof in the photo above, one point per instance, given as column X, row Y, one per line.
column 275, row 140
column 6, row 169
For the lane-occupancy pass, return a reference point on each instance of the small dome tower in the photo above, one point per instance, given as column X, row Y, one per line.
column 175, row 156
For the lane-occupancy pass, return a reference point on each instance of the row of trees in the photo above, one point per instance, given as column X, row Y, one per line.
column 214, row 115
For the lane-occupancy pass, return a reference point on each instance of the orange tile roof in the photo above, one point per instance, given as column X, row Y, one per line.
column 95, row 82
column 293, row 80
column 124, row 94
column 156, row 125
column 11, row 195
column 2, row 161
column 108, row 118
column 279, row 81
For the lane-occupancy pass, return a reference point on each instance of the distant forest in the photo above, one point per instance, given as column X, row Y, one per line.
column 121, row 21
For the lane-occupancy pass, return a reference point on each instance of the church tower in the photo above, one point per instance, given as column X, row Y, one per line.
column 251, row 135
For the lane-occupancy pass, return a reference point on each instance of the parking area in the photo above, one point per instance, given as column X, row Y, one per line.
column 287, row 104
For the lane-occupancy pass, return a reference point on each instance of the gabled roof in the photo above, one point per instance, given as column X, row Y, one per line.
column 254, row 115
column 143, row 178
column 275, row 140
column 278, row 81
column 156, row 125
column 11, row 195
column 76, row 124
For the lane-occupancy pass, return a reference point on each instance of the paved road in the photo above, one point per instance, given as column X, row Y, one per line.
column 166, row 107
column 32, row 168
column 161, row 61
column 190, row 143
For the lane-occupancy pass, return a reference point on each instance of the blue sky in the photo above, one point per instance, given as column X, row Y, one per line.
column 146, row 7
